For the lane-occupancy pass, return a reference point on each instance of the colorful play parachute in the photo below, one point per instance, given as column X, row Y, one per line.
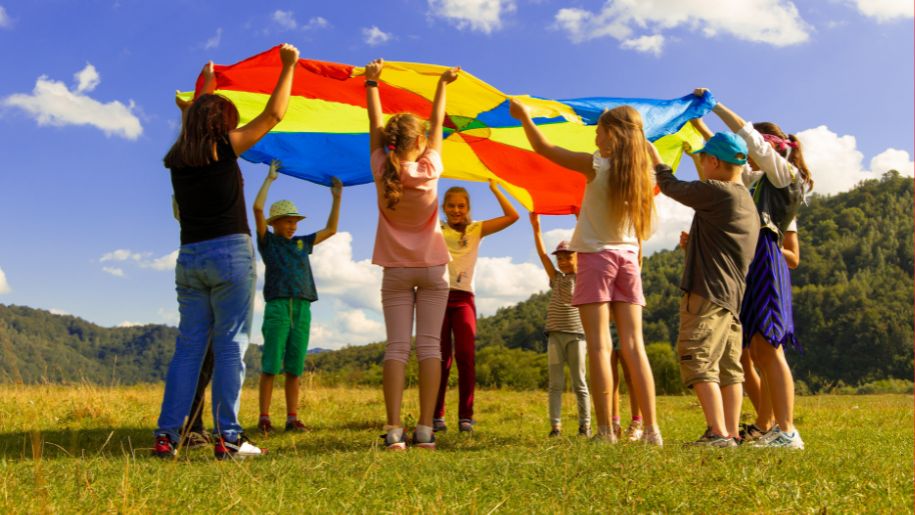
column 325, row 131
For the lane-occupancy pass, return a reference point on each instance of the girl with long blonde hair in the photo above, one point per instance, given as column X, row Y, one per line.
column 617, row 214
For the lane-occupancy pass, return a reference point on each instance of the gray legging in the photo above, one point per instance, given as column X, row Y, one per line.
column 568, row 348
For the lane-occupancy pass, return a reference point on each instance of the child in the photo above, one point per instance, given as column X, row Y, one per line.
column 406, row 165
column 634, row 431
column 463, row 239
column 289, row 290
column 215, row 271
column 718, row 254
column 566, row 337
column 616, row 215
column 779, row 187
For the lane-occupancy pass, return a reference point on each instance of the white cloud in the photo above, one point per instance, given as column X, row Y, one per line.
column 356, row 283
column 87, row 79
column 775, row 22
column 128, row 323
column 113, row 270
column 892, row 159
column 499, row 282
column 285, row 19
column 121, row 255
column 316, row 22
column 837, row 165
column 164, row 263
column 886, row 10
column 169, row 316
column 374, row 36
column 214, row 41
column 645, row 44
column 57, row 311
column 5, row 21
column 673, row 217
column 4, row 285
column 52, row 103
column 349, row 327
column 480, row 15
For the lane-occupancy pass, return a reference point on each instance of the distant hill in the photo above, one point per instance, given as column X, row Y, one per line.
column 37, row 346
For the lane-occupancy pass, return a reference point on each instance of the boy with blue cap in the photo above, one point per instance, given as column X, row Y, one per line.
column 721, row 244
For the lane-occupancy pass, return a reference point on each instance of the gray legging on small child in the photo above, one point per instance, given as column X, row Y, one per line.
column 568, row 348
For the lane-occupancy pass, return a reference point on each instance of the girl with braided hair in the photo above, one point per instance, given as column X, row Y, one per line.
column 406, row 164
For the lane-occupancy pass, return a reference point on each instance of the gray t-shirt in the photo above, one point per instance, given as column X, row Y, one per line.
column 722, row 238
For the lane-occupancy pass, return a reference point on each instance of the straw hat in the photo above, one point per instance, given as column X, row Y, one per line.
column 282, row 209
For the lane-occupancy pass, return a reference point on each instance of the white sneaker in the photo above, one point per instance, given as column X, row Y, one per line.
column 787, row 440
column 653, row 438
column 634, row 432
column 240, row 449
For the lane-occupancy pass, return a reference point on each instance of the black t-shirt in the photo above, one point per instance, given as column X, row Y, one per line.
column 211, row 198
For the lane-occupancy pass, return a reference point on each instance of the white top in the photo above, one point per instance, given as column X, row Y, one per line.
column 596, row 230
column 463, row 248
column 778, row 170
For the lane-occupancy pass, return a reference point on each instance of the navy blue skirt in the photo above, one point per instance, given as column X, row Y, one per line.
column 766, row 307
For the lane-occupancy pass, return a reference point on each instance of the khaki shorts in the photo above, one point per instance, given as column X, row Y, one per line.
column 709, row 343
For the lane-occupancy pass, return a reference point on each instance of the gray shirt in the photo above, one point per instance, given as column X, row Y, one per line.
column 722, row 238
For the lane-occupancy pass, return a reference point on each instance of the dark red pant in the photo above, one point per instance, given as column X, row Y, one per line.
column 461, row 320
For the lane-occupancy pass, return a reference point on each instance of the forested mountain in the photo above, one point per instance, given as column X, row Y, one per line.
column 37, row 346
column 853, row 308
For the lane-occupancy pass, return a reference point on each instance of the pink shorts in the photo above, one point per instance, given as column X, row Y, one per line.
column 608, row 276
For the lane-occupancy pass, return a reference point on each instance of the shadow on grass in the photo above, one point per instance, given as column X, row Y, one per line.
column 352, row 436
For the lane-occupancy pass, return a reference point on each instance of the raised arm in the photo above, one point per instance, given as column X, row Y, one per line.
column 706, row 134
column 509, row 217
column 438, row 109
column 777, row 169
column 580, row 162
column 541, row 252
column 336, row 190
column 247, row 135
column 373, row 104
column 259, row 221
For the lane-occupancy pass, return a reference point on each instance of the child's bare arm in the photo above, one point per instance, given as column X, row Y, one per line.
column 250, row 133
column 373, row 104
column 259, row 221
column 509, row 217
column 791, row 249
column 541, row 251
column 336, row 190
column 580, row 162
column 438, row 108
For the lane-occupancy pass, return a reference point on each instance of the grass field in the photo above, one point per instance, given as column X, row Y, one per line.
column 85, row 449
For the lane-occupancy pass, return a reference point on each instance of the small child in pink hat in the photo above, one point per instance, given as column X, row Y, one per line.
column 566, row 337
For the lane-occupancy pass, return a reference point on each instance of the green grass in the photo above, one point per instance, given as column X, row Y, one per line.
column 85, row 449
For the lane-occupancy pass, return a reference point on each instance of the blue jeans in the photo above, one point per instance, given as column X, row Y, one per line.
column 215, row 281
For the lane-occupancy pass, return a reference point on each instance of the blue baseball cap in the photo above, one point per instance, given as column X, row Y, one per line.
column 726, row 146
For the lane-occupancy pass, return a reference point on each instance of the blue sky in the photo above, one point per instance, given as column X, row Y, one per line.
column 86, row 114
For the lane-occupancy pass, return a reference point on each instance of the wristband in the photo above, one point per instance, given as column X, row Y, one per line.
column 371, row 83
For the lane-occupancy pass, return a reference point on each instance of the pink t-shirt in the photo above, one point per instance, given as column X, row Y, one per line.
column 409, row 235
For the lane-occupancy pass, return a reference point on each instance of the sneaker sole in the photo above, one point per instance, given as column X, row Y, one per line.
column 397, row 447
column 428, row 446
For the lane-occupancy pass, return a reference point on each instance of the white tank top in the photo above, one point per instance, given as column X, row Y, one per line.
column 596, row 230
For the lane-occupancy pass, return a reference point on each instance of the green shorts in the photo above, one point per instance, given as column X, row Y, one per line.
column 286, row 326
